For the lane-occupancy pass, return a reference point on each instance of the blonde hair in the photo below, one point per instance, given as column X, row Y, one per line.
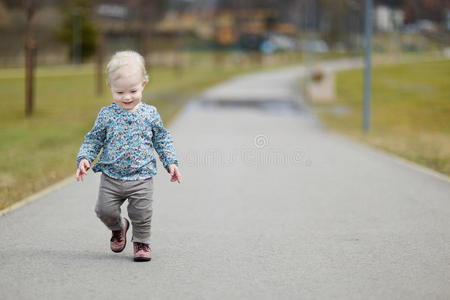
column 125, row 59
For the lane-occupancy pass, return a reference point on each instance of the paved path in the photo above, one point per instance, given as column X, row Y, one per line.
column 272, row 206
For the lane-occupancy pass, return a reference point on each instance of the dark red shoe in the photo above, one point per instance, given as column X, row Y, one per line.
column 142, row 252
column 119, row 238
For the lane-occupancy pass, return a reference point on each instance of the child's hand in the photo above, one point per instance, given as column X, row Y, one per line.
column 174, row 172
column 83, row 167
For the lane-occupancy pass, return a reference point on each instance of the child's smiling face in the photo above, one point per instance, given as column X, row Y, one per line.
column 127, row 90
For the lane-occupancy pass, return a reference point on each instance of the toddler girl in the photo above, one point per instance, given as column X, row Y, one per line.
column 127, row 131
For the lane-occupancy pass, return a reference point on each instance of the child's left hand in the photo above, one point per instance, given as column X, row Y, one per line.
column 174, row 172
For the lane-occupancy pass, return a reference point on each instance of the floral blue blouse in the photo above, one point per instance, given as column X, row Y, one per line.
column 128, row 139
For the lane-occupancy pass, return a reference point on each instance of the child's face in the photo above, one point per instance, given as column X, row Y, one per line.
column 127, row 90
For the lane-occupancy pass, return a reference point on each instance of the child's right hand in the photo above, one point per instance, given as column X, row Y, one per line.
column 83, row 167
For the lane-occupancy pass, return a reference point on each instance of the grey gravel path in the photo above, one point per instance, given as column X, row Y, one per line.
column 271, row 206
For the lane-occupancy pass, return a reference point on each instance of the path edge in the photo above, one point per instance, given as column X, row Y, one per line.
column 37, row 195
column 392, row 156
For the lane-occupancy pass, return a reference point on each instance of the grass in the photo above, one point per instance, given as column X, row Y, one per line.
column 41, row 150
column 410, row 113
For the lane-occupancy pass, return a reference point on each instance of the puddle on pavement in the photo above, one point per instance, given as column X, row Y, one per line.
column 271, row 106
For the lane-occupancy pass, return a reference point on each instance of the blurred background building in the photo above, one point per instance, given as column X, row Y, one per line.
column 74, row 30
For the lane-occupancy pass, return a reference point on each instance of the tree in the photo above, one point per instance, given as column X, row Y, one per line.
column 425, row 9
column 78, row 30
column 30, row 7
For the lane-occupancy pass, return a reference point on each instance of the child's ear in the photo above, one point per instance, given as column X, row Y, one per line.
column 144, row 83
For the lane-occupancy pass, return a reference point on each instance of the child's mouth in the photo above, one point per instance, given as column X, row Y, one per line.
column 127, row 103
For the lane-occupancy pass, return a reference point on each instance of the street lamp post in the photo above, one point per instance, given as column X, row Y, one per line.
column 367, row 63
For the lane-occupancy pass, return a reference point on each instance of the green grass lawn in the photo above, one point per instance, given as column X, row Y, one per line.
column 410, row 111
column 38, row 151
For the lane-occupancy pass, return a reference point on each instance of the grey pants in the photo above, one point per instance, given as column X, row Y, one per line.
column 112, row 194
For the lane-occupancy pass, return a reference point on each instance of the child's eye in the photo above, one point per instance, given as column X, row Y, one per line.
column 133, row 92
column 120, row 93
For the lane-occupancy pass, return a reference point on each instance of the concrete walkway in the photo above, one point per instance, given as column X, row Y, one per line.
column 272, row 206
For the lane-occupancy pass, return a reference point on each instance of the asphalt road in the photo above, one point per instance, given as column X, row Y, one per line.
column 271, row 206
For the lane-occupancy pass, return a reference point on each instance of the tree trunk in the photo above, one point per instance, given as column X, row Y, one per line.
column 30, row 53
column 99, row 63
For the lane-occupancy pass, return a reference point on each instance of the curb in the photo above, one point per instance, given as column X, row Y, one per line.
column 37, row 195
column 415, row 166
column 394, row 157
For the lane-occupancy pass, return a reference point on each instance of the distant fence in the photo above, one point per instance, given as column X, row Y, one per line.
column 42, row 59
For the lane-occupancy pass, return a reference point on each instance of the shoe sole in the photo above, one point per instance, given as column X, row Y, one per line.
column 141, row 259
column 124, row 245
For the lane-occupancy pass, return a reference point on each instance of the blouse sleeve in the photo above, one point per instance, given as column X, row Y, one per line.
column 93, row 140
column 163, row 142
